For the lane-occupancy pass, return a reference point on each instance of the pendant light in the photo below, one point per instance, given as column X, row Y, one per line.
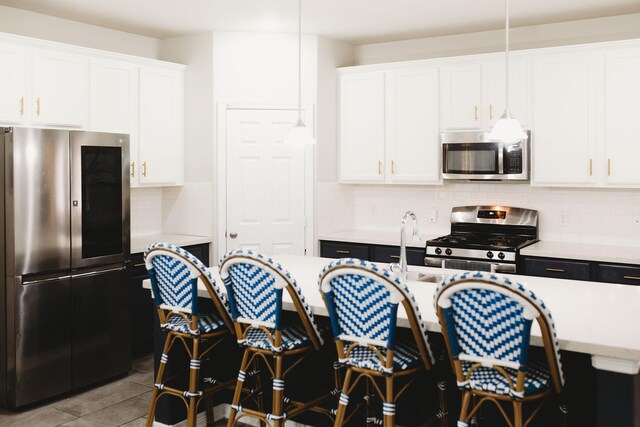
column 300, row 134
column 507, row 129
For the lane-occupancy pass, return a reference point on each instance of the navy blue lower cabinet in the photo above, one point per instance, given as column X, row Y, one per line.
column 556, row 268
column 415, row 256
column 618, row 273
column 330, row 249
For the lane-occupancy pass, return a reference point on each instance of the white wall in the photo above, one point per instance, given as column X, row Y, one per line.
column 560, row 34
column 31, row 24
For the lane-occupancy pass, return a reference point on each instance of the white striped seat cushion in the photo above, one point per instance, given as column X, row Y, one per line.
column 405, row 356
column 291, row 337
column 487, row 379
column 206, row 323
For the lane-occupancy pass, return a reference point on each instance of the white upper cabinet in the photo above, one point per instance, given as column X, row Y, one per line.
column 60, row 89
column 160, row 151
column 412, row 126
column 473, row 94
column 563, row 104
column 15, row 76
column 113, row 96
column 389, row 126
column 622, row 117
column 362, row 124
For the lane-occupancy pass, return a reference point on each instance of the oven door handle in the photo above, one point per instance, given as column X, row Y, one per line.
column 503, row 268
column 433, row 262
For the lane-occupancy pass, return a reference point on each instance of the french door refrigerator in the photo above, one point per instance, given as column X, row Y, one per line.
column 65, row 301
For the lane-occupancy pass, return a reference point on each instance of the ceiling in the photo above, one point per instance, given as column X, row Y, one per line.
column 352, row 21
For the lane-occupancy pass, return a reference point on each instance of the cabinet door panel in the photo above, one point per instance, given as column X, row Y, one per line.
column 113, row 97
column 15, row 77
column 615, row 273
column 362, row 127
column 461, row 97
column 60, row 88
column 622, row 124
column 413, row 126
column 564, row 119
column 344, row 250
column 561, row 269
column 495, row 95
column 160, row 132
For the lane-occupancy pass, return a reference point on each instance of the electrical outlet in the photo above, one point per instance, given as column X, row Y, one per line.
column 635, row 219
column 433, row 215
column 563, row 218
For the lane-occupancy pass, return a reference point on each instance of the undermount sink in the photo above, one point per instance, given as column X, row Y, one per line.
column 416, row 276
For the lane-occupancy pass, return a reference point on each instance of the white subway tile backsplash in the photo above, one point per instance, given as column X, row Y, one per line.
column 146, row 211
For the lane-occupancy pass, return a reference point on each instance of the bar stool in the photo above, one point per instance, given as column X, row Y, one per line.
column 486, row 321
column 255, row 285
column 362, row 300
column 174, row 275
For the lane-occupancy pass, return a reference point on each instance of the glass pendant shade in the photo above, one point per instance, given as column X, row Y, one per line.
column 300, row 134
column 507, row 129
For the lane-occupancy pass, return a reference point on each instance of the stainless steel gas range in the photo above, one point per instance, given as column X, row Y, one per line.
column 484, row 238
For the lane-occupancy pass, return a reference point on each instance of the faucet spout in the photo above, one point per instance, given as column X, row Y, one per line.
column 403, row 244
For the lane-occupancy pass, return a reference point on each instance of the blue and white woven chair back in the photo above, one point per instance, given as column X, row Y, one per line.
column 363, row 299
column 255, row 285
column 488, row 320
column 174, row 275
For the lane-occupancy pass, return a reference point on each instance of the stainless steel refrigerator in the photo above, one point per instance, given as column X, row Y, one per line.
column 64, row 303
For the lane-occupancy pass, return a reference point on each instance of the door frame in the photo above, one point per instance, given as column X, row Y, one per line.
column 220, row 220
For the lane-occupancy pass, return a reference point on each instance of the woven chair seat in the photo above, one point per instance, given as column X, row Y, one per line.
column 206, row 323
column 487, row 379
column 405, row 356
column 292, row 337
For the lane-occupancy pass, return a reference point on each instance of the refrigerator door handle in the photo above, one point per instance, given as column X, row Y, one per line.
column 93, row 273
column 51, row 279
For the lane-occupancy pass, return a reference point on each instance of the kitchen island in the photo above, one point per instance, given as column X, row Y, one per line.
column 598, row 319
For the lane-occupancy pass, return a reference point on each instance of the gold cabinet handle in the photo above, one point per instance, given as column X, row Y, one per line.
column 555, row 270
column 142, row 264
column 590, row 167
column 393, row 167
column 490, row 112
column 38, row 106
column 144, row 168
column 379, row 167
column 342, row 251
column 22, row 106
column 475, row 114
column 133, row 169
column 608, row 167
column 394, row 256
column 632, row 277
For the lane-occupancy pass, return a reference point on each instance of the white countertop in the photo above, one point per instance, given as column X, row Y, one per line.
column 375, row 237
column 140, row 242
column 600, row 319
column 585, row 252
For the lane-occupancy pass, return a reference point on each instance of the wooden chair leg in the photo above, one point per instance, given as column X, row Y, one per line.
column 464, row 408
column 235, row 403
column 389, row 405
column 258, row 386
column 277, row 407
column 517, row 413
column 369, row 404
column 344, row 399
column 156, row 391
column 194, row 378
column 443, row 413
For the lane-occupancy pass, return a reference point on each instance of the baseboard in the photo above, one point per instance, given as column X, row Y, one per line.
column 222, row 411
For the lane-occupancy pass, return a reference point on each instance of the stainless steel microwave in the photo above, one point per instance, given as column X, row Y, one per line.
column 473, row 156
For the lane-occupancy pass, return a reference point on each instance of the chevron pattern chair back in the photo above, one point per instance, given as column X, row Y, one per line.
column 174, row 275
column 255, row 285
column 363, row 299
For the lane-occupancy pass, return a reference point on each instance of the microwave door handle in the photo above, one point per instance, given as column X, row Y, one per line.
column 500, row 159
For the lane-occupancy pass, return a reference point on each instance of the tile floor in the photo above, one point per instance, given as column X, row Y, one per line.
column 121, row 403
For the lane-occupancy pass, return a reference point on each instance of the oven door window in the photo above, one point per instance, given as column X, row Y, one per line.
column 474, row 159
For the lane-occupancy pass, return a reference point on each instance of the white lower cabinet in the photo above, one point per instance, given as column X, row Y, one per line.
column 389, row 126
column 622, row 118
column 160, row 143
column 564, row 115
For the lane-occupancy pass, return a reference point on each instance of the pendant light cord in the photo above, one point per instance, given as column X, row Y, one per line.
column 299, row 60
column 506, row 26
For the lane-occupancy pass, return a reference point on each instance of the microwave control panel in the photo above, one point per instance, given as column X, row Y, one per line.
column 513, row 160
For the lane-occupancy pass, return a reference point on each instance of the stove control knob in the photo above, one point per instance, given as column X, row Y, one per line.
column 448, row 251
column 438, row 251
column 489, row 254
column 501, row 255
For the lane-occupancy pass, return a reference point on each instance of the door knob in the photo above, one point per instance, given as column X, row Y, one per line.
column 233, row 235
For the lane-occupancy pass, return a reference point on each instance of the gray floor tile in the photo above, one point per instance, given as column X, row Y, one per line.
column 144, row 378
column 99, row 398
column 143, row 365
column 40, row 417
column 113, row 416
column 138, row 422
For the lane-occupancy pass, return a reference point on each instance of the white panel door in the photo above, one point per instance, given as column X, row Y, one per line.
column 265, row 183
column 413, row 125
column 160, row 126
column 494, row 99
column 461, row 96
column 15, row 77
column 563, row 107
column 622, row 117
column 362, row 127
column 60, row 89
